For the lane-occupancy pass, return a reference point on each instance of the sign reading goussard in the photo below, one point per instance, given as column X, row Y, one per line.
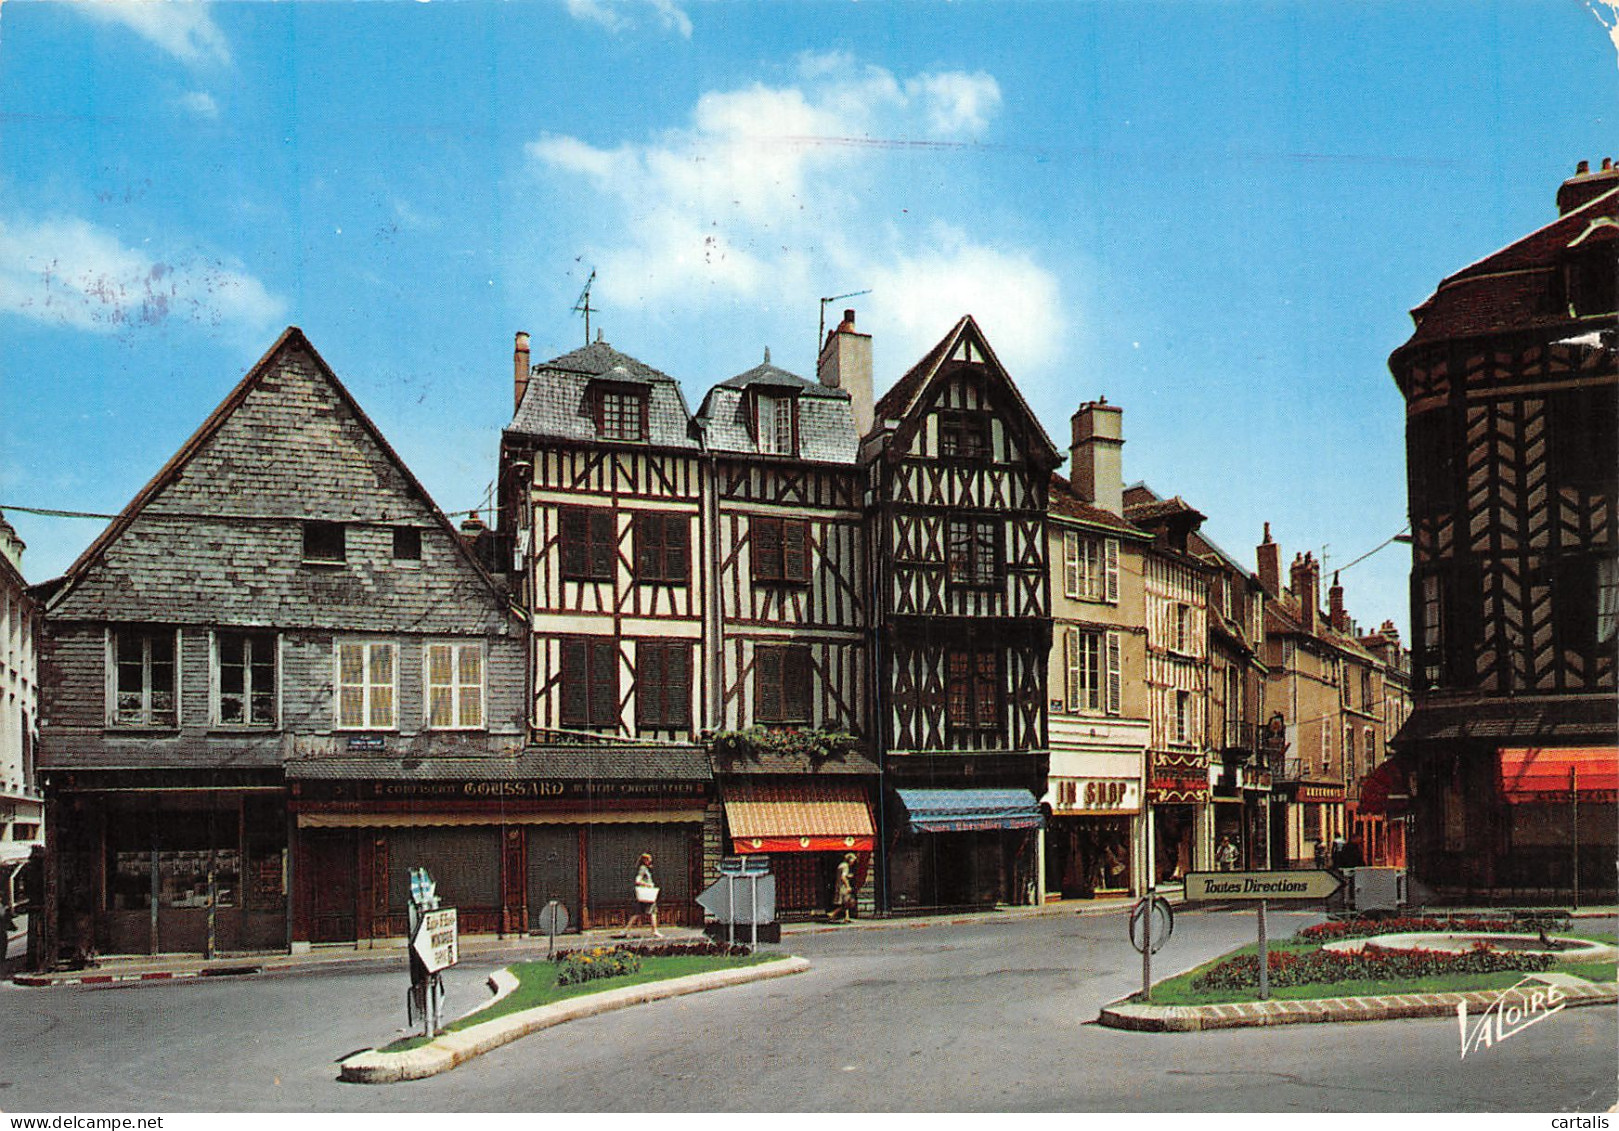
column 1262, row 885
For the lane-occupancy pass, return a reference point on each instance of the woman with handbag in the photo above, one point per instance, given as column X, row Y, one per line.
column 646, row 894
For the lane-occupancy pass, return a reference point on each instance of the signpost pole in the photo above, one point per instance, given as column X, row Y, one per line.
column 1264, row 956
column 753, row 909
column 1574, row 800
column 730, row 920
column 1146, row 944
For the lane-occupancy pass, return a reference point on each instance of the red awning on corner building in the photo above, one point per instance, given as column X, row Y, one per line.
column 1550, row 773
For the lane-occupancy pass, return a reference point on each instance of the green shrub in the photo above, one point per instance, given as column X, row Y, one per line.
column 1371, row 963
column 599, row 962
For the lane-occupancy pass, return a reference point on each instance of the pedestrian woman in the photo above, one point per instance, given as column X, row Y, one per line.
column 646, row 895
column 843, row 890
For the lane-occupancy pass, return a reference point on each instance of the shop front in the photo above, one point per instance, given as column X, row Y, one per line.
column 963, row 848
column 1091, row 836
column 806, row 826
column 1562, row 818
column 1179, row 796
column 500, row 848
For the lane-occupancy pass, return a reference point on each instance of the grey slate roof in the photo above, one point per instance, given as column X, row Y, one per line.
column 556, row 404
column 1536, row 720
column 594, row 763
column 825, row 415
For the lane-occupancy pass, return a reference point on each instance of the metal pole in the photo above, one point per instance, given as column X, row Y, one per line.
column 551, row 929
column 730, row 920
column 753, row 910
column 1264, row 956
column 1574, row 801
column 1146, row 944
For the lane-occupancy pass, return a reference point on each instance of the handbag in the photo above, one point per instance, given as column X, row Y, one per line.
column 646, row 893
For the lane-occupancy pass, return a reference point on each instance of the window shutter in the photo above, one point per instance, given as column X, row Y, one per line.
column 797, row 679
column 1071, row 662
column 604, row 682
column 602, row 548
column 795, row 551
column 1115, row 675
column 1112, row 569
column 648, row 684
column 677, row 685
column 767, row 685
column 575, row 685
column 676, row 547
column 647, row 553
column 767, row 538
column 575, row 542
column 1070, row 563
column 470, row 673
column 440, row 692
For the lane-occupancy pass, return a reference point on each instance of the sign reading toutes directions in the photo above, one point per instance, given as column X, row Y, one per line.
column 1262, row 885
column 435, row 942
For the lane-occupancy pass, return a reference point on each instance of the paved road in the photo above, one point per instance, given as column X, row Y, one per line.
column 994, row 1015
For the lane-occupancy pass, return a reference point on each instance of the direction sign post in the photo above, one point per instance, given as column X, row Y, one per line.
column 1262, row 887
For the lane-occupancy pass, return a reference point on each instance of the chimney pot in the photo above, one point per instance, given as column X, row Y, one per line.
column 1607, row 164
column 1582, row 168
column 845, row 363
column 520, row 369
column 1270, row 565
column 1095, row 458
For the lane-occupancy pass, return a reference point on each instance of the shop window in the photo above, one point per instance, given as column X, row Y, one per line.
column 973, row 690
column 964, row 435
column 588, row 543
column 780, row 551
column 407, row 543
column 1090, row 567
column 621, row 412
column 245, row 679
column 781, row 684
column 367, row 685
column 775, row 425
column 455, row 686
column 973, row 556
column 145, row 671
column 662, row 685
column 590, row 682
column 325, row 543
column 193, row 853
column 662, row 547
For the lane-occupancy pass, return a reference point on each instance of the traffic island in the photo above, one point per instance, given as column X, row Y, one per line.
column 465, row 1041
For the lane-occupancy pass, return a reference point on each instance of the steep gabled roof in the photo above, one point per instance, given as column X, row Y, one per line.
column 826, row 431
column 1064, row 503
column 292, row 338
column 555, row 404
column 910, row 391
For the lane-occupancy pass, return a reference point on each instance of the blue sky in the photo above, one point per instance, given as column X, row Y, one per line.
column 1216, row 215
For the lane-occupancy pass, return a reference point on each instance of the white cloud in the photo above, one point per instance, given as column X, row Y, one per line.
column 66, row 272
column 614, row 14
column 185, row 30
column 770, row 192
column 200, row 103
column 1608, row 19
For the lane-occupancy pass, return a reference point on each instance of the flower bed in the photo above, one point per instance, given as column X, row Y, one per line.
column 705, row 948
column 1362, row 928
column 598, row 962
column 1290, row 968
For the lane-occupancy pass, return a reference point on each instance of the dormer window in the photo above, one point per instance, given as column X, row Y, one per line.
column 964, row 435
column 621, row 412
column 776, row 423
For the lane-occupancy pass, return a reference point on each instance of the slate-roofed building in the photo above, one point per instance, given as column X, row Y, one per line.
column 603, row 484
column 1511, row 384
column 788, row 641
column 22, row 810
column 1096, row 837
column 245, row 672
column 958, row 472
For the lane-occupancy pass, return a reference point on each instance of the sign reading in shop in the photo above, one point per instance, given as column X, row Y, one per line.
column 1121, row 795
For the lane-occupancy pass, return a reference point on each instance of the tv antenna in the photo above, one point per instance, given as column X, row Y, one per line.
column 583, row 305
column 820, row 339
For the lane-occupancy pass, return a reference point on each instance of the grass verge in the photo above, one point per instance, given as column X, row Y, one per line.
column 1178, row 990
column 537, row 986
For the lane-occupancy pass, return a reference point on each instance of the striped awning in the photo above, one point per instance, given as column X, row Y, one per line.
column 969, row 810
column 1549, row 773
column 809, row 815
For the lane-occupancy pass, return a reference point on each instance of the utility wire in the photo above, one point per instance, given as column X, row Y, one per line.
column 1387, row 542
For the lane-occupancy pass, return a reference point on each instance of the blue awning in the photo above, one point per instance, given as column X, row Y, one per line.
column 969, row 810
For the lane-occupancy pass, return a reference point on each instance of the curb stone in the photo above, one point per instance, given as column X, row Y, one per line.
column 1143, row 1018
column 450, row 1049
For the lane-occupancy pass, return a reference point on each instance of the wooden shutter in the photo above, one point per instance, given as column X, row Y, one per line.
column 604, row 682
column 1070, row 563
column 575, row 685
column 768, row 704
column 676, row 548
column 601, row 543
column 767, row 548
column 795, row 551
column 676, row 685
column 648, row 546
column 1111, row 569
column 1070, row 642
column 440, row 686
column 575, row 526
column 796, row 681
column 1115, row 675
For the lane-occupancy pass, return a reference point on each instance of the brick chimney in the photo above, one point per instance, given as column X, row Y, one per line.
column 1270, row 565
column 520, row 369
column 1585, row 186
column 845, row 363
column 1306, row 576
column 1096, row 459
column 1335, row 605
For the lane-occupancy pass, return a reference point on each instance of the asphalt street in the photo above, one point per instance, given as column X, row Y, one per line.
column 997, row 1014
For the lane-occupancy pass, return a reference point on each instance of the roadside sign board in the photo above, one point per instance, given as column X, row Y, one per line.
column 1262, row 885
column 436, row 942
column 731, row 900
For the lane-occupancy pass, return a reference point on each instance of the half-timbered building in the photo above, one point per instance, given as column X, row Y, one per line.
column 958, row 470
column 1095, row 841
column 277, row 644
column 603, row 484
column 1510, row 380
column 786, row 645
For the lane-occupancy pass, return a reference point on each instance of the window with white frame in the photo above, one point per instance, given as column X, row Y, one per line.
column 1090, row 567
column 1326, row 747
column 1351, row 757
column 1094, row 675
column 1183, row 717
column 145, row 666
column 367, row 685
column 777, row 431
column 245, row 679
column 1180, row 629
column 454, row 686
